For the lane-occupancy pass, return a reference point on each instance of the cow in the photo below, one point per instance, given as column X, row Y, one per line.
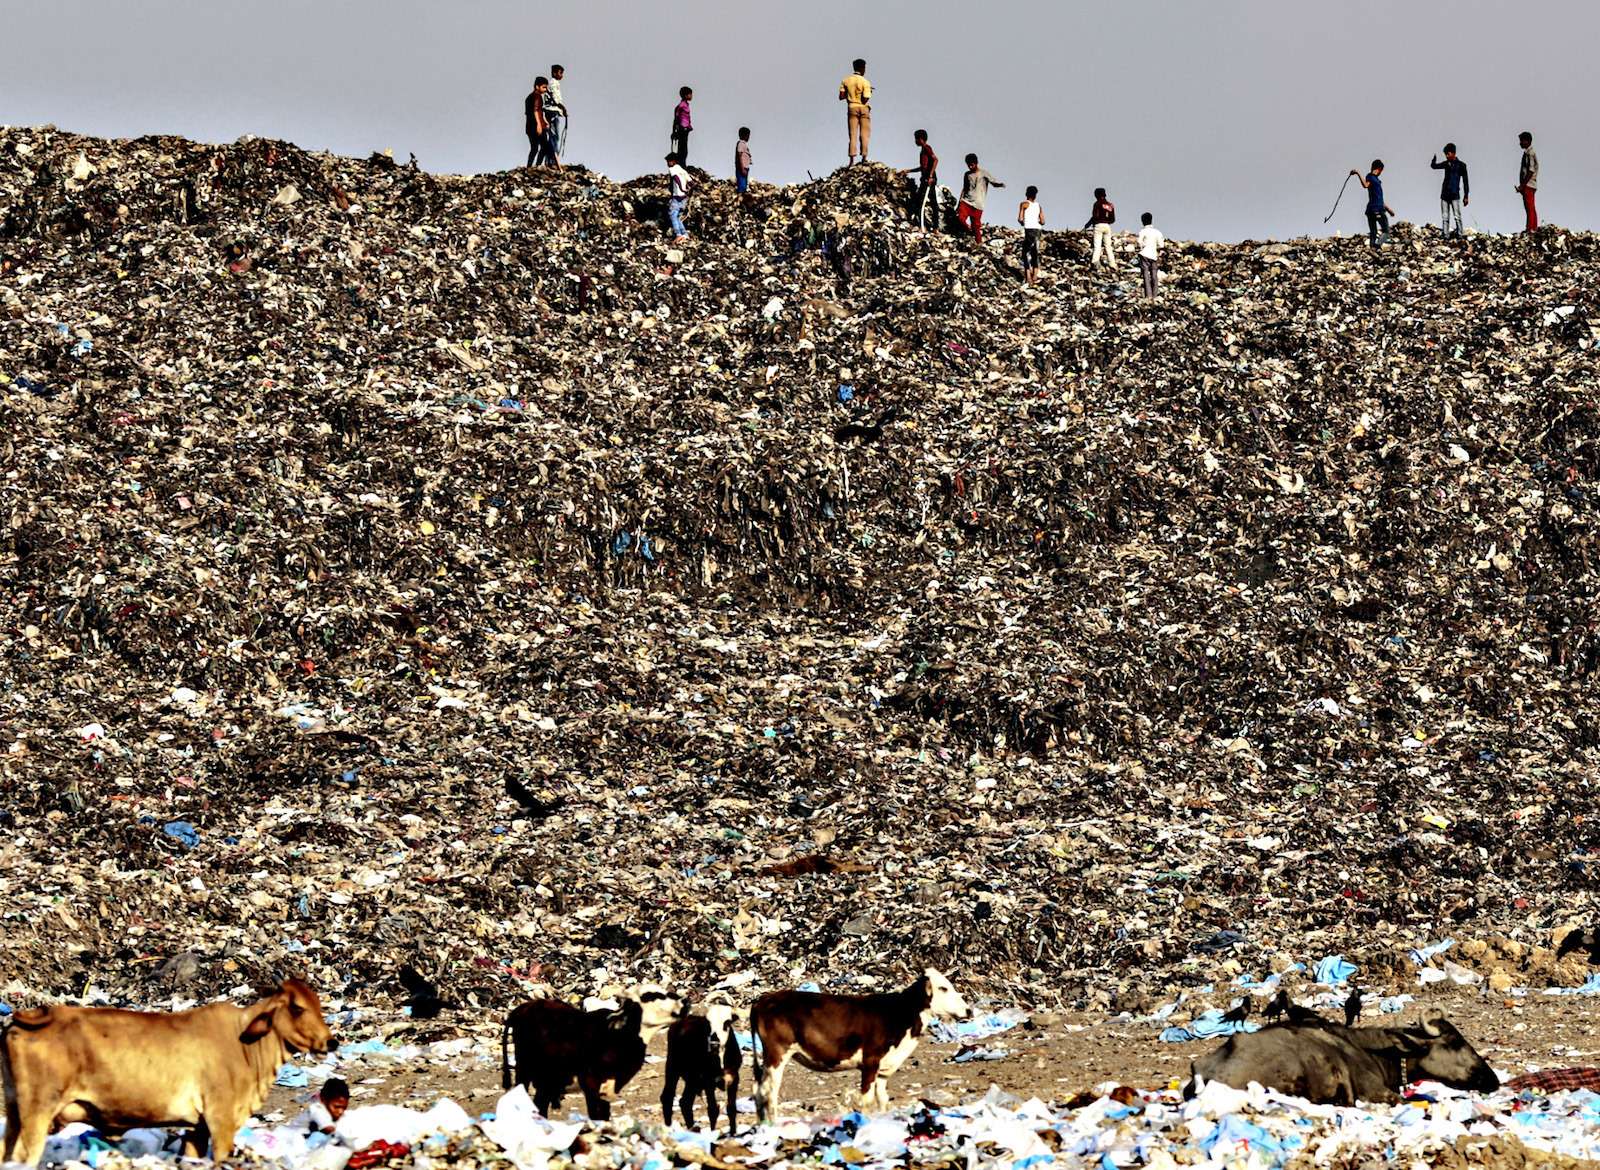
column 602, row 1050
column 1329, row 1064
column 703, row 1052
column 823, row 1032
column 208, row 1068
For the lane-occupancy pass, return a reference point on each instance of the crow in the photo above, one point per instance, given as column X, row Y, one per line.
column 523, row 795
column 1276, row 1006
column 424, row 1000
column 1577, row 940
column 1352, row 1007
column 1239, row 1012
column 1304, row 1016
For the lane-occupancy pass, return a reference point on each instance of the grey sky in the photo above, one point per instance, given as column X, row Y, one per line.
column 1227, row 118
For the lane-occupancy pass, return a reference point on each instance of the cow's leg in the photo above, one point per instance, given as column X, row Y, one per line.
column 197, row 1140
column 882, row 1084
column 711, row 1104
column 769, row 1088
column 30, row 1108
column 730, row 1091
column 547, row 1099
column 669, row 1090
column 598, row 1108
column 686, row 1104
column 869, row 1085
column 223, row 1127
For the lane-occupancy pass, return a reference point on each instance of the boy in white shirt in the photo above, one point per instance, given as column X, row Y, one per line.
column 1150, row 241
column 322, row 1116
column 1031, row 216
column 678, row 183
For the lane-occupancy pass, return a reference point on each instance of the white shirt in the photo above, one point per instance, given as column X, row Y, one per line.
column 315, row 1119
column 1150, row 241
column 680, row 181
column 1030, row 215
column 555, row 95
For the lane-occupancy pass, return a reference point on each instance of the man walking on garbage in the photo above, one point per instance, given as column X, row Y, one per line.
column 682, row 125
column 927, row 170
column 741, row 161
column 679, row 182
column 537, row 123
column 856, row 91
column 1454, row 193
column 1528, row 179
column 1378, row 212
column 1101, row 216
column 556, row 111
column 1031, row 216
column 1150, row 241
column 975, row 186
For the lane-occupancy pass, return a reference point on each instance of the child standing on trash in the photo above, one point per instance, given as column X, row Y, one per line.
column 1454, row 193
column 678, row 184
column 975, row 186
column 1528, row 179
column 1378, row 212
column 555, row 110
column 1031, row 216
column 322, row 1115
column 1150, row 241
column 682, row 125
column 927, row 170
column 741, row 161
column 1101, row 216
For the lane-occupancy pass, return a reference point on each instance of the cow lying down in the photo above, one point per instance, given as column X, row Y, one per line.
column 1333, row 1065
column 208, row 1068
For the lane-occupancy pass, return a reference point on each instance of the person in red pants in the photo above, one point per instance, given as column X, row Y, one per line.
column 1528, row 179
column 975, row 186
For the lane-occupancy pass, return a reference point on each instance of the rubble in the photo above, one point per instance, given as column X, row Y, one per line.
column 448, row 571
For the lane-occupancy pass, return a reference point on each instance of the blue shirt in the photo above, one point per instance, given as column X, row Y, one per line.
column 1374, row 192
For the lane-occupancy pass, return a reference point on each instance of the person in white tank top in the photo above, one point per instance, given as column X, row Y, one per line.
column 1031, row 216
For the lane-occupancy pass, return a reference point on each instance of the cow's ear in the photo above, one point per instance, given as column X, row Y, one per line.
column 1412, row 1044
column 258, row 1027
column 617, row 1021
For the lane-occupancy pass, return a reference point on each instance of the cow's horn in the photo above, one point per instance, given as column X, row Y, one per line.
column 1430, row 1023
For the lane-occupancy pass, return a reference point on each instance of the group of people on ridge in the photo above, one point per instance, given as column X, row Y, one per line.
column 1455, row 192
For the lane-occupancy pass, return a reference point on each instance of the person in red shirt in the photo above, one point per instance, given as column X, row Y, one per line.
column 1101, row 217
column 927, row 170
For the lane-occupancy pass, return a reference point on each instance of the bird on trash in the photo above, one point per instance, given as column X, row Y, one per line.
column 1239, row 1012
column 1304, row 1016
column 1577, row 940
column 424, row 1000
column 520, row 792
column 1276, row 1006
column 1352, row 1007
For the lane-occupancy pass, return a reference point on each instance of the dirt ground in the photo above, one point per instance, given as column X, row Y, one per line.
column 1052, row 1057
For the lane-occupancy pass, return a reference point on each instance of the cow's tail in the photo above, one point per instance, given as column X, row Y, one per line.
column 505, row 1058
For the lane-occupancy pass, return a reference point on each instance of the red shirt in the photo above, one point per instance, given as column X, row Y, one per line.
column 929, row 162
column 1104, row 211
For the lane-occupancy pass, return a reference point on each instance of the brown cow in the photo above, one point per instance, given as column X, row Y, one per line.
column 209, row 1068
column 874, row 1033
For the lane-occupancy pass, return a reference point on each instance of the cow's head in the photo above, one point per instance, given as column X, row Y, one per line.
column 294, row 1014
column 943, row 998
column 654, row 1008
column 1436, row 1051
column 719, row 1014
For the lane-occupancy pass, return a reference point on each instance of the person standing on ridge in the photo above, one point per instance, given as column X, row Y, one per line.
column 1454, row 193
column 927, row 170
column 1150, row 241
column 856, row 90
column 678, row 183
column 1101, row 216
column 1378, row 212
column 1031, row 216
column 741, row 161
column 682, row 126
column 975, row 184
column 556, row 111
column 537, row 123
column 1528, row 179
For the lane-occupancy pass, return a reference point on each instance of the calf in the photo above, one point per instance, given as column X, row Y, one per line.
column 1333, row 1065
column 874, row 1033
column 557, row 1044
column 703, row 1052
column 208, row 1068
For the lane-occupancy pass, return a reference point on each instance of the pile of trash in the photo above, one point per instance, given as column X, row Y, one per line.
column 451, row 571
column 1118, row 1126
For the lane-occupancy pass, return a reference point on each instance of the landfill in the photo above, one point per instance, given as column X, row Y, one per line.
column 453, row 573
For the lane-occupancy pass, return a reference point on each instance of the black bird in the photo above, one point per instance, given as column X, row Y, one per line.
column 1577, row 940
column 1304, row 1016
column 424, row 1000
column 1239, row 1012
column 1352, row 1007
column 519, row 792
column 866, row 432
column 1276, row 1006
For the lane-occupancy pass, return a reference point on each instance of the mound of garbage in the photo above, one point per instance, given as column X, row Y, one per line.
column 453, row 572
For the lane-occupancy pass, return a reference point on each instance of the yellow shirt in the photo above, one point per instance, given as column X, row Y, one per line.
column 856, row 89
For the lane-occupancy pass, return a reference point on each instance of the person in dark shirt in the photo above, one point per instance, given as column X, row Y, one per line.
column 1378, row 212
column 1454, row 193
column 927, row 171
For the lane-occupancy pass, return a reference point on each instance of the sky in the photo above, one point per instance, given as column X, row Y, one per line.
column 1228, row 119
